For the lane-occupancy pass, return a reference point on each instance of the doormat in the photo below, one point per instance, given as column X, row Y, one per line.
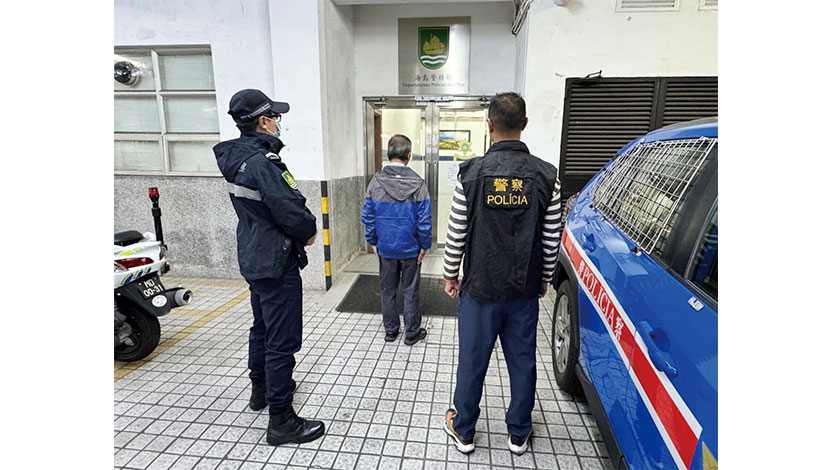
column 364, row 297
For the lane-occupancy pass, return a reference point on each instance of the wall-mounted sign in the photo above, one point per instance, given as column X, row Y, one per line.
column 434, row 56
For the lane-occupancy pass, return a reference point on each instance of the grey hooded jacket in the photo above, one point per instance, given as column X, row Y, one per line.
column 397, row 213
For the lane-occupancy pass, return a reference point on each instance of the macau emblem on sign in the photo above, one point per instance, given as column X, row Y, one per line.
column 433, row 46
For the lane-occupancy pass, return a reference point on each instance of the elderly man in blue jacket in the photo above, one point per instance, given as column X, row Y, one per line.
column 397, row 216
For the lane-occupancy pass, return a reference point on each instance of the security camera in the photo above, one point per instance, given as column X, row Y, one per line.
column 561, row 3
column 126, row 73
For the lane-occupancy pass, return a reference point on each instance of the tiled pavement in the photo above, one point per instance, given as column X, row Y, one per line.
column 186, row 406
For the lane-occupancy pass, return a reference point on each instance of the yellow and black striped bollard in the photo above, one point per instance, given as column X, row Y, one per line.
column 325, row 211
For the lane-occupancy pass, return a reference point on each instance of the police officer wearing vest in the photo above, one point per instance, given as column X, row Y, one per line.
column 274, row 227
column 505, row 224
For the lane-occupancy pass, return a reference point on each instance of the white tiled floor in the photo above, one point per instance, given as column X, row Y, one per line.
column 383, row 403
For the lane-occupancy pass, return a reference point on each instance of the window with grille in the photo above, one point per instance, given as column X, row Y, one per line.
column 165, row 116
column 643, row 189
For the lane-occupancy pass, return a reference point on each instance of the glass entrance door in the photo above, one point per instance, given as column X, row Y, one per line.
column 410, row 122
column 462, row 135
column 443, row 133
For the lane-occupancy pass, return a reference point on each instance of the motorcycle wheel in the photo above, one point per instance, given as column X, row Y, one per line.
column 145, row 333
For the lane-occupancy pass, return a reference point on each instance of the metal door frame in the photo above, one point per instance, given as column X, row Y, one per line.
column 431, row 105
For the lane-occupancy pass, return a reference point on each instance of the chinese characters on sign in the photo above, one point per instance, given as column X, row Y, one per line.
column 434, row 55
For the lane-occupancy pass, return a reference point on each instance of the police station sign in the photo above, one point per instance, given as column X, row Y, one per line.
column 434, row 56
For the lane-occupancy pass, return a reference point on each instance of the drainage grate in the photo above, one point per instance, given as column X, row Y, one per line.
column 364, row 297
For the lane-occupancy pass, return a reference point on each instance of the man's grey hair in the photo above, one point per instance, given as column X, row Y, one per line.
column 399, row 146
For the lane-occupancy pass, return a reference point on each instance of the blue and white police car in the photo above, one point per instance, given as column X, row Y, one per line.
column 635, row 318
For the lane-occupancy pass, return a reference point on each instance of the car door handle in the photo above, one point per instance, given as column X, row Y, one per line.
column 658, row 348
column 588, row 242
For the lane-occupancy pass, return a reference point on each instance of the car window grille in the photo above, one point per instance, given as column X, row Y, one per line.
column 642, row 190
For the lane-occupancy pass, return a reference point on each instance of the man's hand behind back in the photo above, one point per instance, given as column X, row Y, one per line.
column 452, row 287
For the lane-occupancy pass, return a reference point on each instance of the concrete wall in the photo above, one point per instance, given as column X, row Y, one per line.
column 521, row 58
column 338, row 86
column 343, row 167
column 492, row 49
column 346, row 231
column 589, row 35
column 199, row 231
column 239, row 60
column 295, row 49
column 199, row 222
column 491, row 44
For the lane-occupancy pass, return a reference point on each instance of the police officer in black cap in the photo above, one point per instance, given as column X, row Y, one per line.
column 505, row 223
column 274, row 227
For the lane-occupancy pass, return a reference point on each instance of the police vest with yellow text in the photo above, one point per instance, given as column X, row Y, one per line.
column 508, row 192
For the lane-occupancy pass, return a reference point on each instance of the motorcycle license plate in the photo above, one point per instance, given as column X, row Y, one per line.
column 151, row 287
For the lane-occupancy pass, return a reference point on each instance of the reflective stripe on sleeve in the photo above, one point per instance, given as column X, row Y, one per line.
column 242, row 191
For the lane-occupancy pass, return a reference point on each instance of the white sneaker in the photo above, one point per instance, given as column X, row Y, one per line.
column 518, row 445
column 464, row 446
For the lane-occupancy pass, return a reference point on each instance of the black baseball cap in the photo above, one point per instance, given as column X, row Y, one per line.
column 247, row 105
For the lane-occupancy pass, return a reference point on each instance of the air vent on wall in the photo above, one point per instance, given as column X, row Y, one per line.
column 602, row 118
column 647, row 5
column 708, row 4
column 689, row 98
column 602, row 115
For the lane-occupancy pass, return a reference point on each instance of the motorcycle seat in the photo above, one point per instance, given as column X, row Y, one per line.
column 127, row 238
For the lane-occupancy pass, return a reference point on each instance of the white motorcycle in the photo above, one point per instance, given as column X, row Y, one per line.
column 139, row 296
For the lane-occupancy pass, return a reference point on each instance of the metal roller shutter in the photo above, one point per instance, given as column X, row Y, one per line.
column 603, row 114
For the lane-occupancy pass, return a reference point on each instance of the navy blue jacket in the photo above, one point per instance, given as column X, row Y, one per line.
column 397, row 214
column 274, row 223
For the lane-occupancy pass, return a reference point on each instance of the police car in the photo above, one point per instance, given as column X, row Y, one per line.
column 635, row 317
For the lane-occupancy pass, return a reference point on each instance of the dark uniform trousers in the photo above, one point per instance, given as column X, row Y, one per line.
column 276, row 334
column 391, row 272
column 479, row 323
column 507, row 193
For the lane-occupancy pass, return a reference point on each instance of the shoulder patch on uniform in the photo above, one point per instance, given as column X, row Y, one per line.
column 290, row 180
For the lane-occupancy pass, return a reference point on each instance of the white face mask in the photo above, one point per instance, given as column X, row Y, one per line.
column 277, row 123
column 276, row 133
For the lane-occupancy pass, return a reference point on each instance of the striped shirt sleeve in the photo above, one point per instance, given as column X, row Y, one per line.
column 551, row 224
column 456, row 234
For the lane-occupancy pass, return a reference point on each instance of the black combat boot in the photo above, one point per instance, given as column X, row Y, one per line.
column 286, row 426
column 257, row 401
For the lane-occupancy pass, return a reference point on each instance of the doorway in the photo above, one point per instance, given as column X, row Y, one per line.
column 444, row 132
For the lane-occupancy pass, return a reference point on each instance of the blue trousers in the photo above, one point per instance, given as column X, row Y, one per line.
column 276, row 335
column 479, row 323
